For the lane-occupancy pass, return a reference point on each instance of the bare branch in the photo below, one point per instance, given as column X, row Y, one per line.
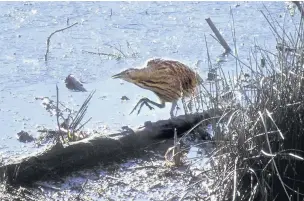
column 49, row 39
column 57, row 115
column 119, row 50
column 82, row 189
column 80, row 114
column 99, row 53
column 219, row 36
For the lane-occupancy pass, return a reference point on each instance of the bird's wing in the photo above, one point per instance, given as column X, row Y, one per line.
column 152, row 63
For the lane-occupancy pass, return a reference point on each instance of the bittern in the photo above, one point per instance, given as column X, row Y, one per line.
column 168, row 79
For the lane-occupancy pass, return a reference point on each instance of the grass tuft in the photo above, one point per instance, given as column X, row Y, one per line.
column 260, row 137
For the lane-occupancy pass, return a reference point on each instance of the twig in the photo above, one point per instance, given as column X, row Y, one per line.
column 183, row 196
column 235, row 179
column 274, row 21
column 270, row 151
column 99, row 53
column 218, row 35
column 119, row 50
column 111, row 177
column 80, row 114
column 176, row 152
column 272, row 27
column 234, row 42
column 57, row 116
column 47, row 131
column 196, row 125
column 46, row 186
column 57, row 110
column 82, row 189
column 144, row 167
column 49, row 39
column 82, row 125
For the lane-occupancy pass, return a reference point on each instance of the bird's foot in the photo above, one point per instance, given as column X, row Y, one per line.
column 177, row 108
column 142, row 102
column 171, row 115
column 147, row 104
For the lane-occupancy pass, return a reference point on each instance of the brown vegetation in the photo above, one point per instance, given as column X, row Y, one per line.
column 262, row 155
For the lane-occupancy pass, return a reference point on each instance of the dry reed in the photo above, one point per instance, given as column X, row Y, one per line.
column 260, row 138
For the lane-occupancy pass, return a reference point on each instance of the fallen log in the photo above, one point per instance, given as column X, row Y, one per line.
column 61, row 159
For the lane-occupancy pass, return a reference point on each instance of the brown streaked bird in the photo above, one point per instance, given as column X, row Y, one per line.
column 168, row 79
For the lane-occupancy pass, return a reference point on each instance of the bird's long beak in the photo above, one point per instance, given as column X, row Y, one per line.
column 119, row 75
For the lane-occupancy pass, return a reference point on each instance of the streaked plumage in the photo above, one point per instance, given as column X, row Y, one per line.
column 168, row 79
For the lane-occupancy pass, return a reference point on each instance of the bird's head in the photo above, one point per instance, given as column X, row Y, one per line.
column 127, row 75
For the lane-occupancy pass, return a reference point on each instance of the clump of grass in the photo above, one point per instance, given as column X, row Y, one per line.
column 70, row 126
column 116, row 53
column 260, row 144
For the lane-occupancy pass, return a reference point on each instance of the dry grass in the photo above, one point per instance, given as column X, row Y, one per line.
column 260, row 137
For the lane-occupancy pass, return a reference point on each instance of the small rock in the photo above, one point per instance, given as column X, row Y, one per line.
column 73, row 83
column 24, row 137
column 124, row 98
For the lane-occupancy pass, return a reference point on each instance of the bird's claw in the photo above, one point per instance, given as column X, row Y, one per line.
column 132, row 111
column 136, row 106
column 141, row 102
column 149, row 106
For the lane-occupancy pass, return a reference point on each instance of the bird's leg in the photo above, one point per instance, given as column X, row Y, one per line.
column 185, row 105
column 190, row 105
column 141, row 102
column 174, row 105
column 146, row 101
column 177, row 108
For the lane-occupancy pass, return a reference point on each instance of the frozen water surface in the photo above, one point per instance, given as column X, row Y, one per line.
column 152, row 29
